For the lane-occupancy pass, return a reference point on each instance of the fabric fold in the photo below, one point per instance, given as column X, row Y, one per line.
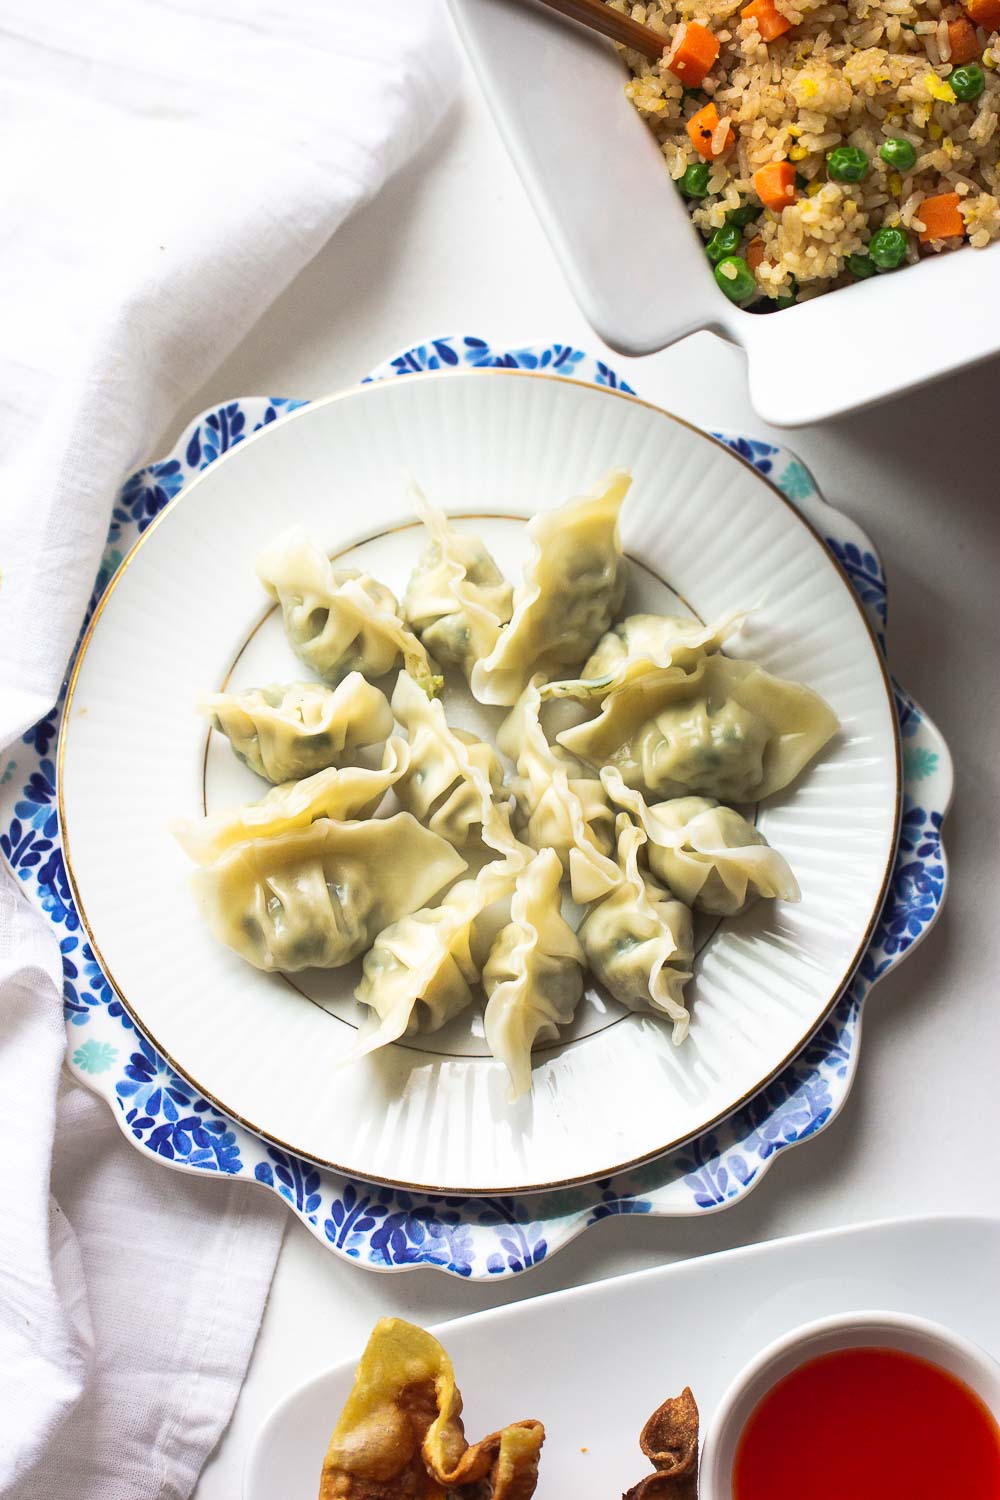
column 175, row 168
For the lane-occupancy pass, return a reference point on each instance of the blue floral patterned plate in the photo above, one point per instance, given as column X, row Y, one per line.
column 476, row 1237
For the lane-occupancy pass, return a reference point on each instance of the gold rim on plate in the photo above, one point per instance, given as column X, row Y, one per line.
column 615, row 1170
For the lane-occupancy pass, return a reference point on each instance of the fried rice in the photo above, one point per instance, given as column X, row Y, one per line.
column 845, row 74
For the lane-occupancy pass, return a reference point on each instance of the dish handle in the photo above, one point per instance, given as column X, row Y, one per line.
column 620, row 255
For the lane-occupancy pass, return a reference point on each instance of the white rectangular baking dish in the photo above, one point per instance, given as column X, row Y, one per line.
column 636, row 265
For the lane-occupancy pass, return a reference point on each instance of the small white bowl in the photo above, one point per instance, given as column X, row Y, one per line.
column 862, row 1330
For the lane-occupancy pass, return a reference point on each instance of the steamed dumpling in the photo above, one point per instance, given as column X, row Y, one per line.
column 452, row 778
column 457, row 598
column 533, row 977
column 558, row 805
column 421, row 969
column 659, row 640
column 727, row 730
column 708, row 855
column 337, row 619
column 286, row 732
column 316, row 897
column 341, row 794
column 638, row 941
column 572, row 589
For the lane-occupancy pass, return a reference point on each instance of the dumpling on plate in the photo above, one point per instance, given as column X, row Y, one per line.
column 639, row 941
column 708, row 855
column 727, row 730
column 400, row 1434
column 558, row 804
column 316, row 897
column 350, row 792
column 457, row 598
column 573, row 587
column 339, row 620
column 452, row 778
column 285, row 732
column 421, row 969
column 660, row 640
column 533, row 977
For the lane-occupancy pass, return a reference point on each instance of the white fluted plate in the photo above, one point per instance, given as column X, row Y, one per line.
column 186, row 613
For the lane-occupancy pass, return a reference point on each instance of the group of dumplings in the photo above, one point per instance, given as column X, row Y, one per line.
column 626, row 805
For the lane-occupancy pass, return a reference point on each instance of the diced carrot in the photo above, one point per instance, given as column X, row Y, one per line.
column 754, row 253
column 702, row 127
column 985, row 13
column 693, row 55
column 963, row 41
column 774, row 185
column 940, row 217
column 770, row 22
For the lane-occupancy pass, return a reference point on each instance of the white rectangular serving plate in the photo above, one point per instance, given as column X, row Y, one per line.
column 592, row 1363
column 636, row 265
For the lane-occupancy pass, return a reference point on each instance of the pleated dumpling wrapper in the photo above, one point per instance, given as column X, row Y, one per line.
column 343, row 794
column 660, row 640
column 708, row 855
column 727, row 730
column 533, row 977
column 571, row 591
column 290, row 730
column 421, row 969
column 670, row 1442
column 639, row 941
column 457, row 599
column 315, row 897
column 400, row 1435
column 338, row 620
column 559, row 805
column 452, row 778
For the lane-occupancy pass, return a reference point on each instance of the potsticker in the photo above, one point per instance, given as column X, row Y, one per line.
column 400, row 1434
column 670, row 1442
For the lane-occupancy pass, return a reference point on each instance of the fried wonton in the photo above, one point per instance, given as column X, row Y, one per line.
column 400, row 1435
column 670, row 1442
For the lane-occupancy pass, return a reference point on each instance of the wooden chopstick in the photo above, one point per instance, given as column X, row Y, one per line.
column 597, row 16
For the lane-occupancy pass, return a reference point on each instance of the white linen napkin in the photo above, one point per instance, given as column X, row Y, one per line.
column 169, row 168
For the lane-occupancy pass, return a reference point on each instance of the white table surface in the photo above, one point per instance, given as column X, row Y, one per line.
column 452, row 246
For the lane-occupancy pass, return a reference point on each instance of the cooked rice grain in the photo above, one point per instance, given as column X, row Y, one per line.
column 846, row 74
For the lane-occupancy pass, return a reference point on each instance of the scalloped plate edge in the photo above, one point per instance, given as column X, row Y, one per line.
column 430, row 1232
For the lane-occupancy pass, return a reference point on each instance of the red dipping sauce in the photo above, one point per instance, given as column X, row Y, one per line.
column 868, row 1424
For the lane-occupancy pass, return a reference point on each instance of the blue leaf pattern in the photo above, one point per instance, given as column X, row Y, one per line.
column 170, row 1118
column 760, row 454
column 865, row 572
column 500, row 1236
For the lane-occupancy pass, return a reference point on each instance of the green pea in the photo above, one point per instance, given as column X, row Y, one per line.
column 899, row 153
column 968, row 82
column 887, row 248
column 861, row 266
column 743, row 215
column 847, row 164
column 725, row 241
column 735, row 278
column 694, row 183
column 787, row 298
